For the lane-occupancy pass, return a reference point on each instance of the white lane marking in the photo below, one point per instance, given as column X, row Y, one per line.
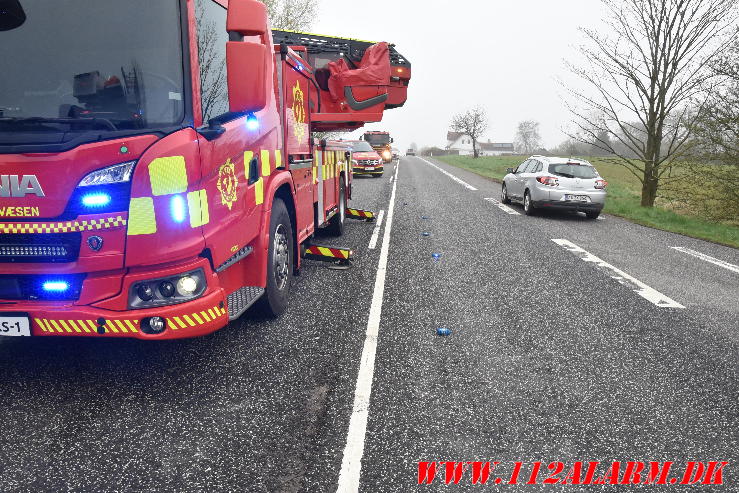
column 376, row 232
column 707, row 258
column 351, row 463
column 503, row 207
column 650, row 294
column 463, row 183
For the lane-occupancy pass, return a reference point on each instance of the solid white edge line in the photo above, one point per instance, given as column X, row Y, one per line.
column 351, row 463
column 646, row 292
column 503, row 207
column 461, row 182
column 376, row 232
column 708, row 258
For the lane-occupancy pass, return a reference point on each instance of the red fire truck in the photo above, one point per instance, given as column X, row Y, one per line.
column 381, row 143
column 157, row 171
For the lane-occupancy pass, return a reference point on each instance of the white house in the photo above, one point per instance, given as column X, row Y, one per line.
column 462, row 144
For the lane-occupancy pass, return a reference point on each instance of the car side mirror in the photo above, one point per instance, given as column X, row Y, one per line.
column 510, row 170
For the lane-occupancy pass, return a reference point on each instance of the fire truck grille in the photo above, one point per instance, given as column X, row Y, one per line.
column 369, row 162
column 38, row 248
column 32, row 288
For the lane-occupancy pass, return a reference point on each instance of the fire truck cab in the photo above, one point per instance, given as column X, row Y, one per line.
column 381, row 142
column 158, row 174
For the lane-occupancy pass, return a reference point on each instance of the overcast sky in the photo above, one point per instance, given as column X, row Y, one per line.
column 505, row 56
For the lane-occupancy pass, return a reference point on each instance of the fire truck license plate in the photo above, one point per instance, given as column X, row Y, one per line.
column 14, row 326
column 369, row 169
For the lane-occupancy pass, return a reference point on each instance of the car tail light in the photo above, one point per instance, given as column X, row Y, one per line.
column 601, row 184
column 549, row 181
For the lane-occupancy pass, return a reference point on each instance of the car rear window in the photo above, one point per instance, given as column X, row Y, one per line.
column 573, row 170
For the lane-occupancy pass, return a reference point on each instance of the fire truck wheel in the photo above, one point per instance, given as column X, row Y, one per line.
column 279, row 261
column 336, row 224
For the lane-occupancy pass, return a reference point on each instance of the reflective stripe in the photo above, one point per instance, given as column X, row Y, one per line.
column 259, row 192
column 205, row 316
column 40, row 324
column 141, row 218
column 84, row 326
column 63, row 227
column 189, row 321
column 212, row 315
column 197, row 318
column 92, row 325
column 266, row 167
column 131, row 326
column 278, row 159
column 197, row 203
column 180, row 322
column 121, row 326
column 56, row 326
column 168, row 175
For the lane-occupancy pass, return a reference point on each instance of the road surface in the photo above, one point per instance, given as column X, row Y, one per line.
column 571, row 340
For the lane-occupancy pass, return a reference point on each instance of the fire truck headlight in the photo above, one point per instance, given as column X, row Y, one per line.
column 120, row 173
column 387, row 155
column 168, row 290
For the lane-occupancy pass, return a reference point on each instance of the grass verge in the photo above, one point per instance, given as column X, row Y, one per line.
column 623, row 199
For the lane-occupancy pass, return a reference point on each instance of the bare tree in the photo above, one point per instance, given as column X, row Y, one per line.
column 292, row 15
column 472, row 123
column 528, row 139
column 645, row 80
column 716, row 133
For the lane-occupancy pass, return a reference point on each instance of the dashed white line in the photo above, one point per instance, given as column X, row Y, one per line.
column 351, row 463
column 503, row 207
column 376, row 232
column 650, row 294
column 461, row 182
column 707, row 258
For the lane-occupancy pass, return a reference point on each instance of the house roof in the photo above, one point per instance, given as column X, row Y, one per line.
column 453, row 136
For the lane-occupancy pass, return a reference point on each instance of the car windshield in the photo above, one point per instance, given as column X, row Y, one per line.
column 377, row 139
column 570, row 170
column 67, row 62
column 362, row 147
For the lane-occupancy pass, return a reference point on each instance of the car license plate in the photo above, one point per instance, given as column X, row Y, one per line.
column 14, row 326
column 369, row 169
column 578, row 198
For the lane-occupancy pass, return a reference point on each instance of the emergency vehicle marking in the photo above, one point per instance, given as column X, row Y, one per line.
column 168, row 176
column 86, row 326
column 20, row 211
column 228, row 182
column 141, row 217
column 64, row 227
column 197, row 203
column 328, row 252
column 360, row 213
column 195, row 319
column 298, row 112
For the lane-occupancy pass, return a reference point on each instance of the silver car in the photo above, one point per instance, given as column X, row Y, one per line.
column 555, row 183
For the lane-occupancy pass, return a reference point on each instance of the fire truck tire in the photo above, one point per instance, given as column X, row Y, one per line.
column 279, row 262
column 336, row 223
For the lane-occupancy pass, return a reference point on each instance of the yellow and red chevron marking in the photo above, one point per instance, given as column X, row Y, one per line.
column 360, row 213
column 339, row 253
column 126, row 326
column 110, row 222
column 86, row 326
column 195, row 319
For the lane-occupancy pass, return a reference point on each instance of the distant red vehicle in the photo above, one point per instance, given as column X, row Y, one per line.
column 365, row 160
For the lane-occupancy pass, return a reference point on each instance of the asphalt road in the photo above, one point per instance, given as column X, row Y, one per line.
column 550, row 359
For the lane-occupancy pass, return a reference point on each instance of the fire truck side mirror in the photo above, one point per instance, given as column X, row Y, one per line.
column 246, row 67
column 247, row 18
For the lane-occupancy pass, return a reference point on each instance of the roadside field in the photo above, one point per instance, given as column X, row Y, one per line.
column 670, row 214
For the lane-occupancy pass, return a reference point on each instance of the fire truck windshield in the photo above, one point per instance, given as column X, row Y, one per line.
column 116, row 63
column 377, row 140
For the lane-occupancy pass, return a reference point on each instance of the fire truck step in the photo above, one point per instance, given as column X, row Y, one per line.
column 328, row 254
column 368, row 216
column 241, row 300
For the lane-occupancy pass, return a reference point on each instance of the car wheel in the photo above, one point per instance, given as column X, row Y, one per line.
column 592, row 214
column 336, row 224
column 528, row 206
column 279, row 262
column 504, row 195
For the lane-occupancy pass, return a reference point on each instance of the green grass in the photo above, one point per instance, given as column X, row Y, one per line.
column 624, row 191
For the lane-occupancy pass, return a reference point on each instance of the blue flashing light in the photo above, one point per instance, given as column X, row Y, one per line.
column 178, row 208
column 300, row 67
column 56, row 286
column 252, row 123
column 96, row 200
